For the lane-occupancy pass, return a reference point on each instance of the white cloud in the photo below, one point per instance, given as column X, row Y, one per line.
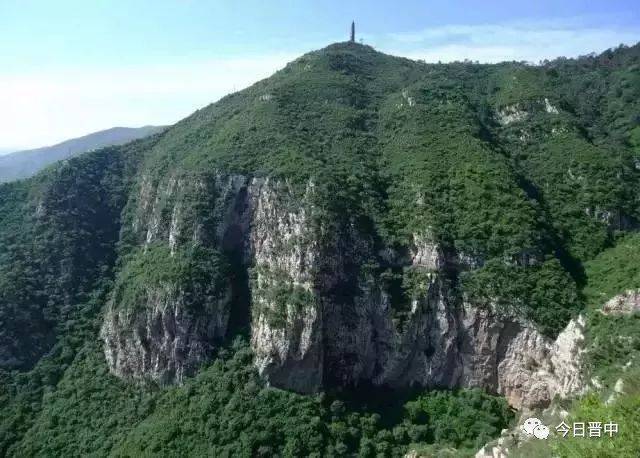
column 529, row 41
column 52, row 106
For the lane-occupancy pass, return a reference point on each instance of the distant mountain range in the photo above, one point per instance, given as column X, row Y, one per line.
column 23, row 164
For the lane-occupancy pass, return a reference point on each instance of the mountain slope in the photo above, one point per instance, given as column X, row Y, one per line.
column 358, row 227
column 23, row 164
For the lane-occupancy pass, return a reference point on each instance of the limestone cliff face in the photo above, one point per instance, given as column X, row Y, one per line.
column 175, row 323
column 625, row 303
column 319, row 315
column 286, row 322
column 513, row 359
column 163, row 341
column 354, row 338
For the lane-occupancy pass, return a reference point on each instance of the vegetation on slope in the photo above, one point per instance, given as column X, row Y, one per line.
column 57, row 243
column 395, row 146
column 613, row 345
column 612, row 364
column 398, row 146
column 196, row 272
column 226, row 410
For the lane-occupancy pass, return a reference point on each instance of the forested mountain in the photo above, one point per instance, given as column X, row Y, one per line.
column 361, row 255
column 23, row 164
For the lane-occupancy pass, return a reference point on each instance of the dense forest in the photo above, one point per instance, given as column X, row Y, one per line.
column 527, row 175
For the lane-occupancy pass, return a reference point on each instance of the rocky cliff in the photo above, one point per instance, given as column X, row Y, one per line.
column 319, row 316
column 355, row 220
column 164, row 341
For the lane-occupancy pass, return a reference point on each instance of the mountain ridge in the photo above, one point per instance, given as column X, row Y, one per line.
column 22, row 164
column 355, row 222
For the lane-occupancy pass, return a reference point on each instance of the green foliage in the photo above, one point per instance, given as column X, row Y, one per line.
column 613, row 345
column 393, row 148
column 196, row 271
column 614, row 271
column 398, row 146
column 465, row 419
column 57, row 243
column 588, row 190
column 593, row 407
column 612, row 357
column 625, row 411
column 415, row 282
column 545, row 294
column 613, row 341
column 280, row 298
column 634, row 138
column 22, row 393
column 226, row 410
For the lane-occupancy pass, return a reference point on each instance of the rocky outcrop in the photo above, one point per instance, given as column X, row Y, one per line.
column 175, row 326
column 319, row 316
column 351, row 334
column 164, row 340
column 286, row 325
column 166, row 332
column 426, row 253
column 550, row 108
column 623, row 304
column 510, row 114
column 534, row 369
column 518, row 112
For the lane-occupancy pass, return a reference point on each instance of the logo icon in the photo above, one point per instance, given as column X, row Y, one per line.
column 534, row 427
column 541, row 432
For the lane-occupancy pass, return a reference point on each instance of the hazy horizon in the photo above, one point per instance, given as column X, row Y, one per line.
column 5, row 151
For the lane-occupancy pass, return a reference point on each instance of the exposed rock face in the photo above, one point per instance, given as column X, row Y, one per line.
column 534, row 370
column 519, row 112
column 510, row 114
column 625, row 303
column 426, row 253
column 496, row 451
column 286, row 325
column 175, row 324
column 549, row 108
column 251, row 220
column 319, row 317
column 164, row 341
column 347, row 340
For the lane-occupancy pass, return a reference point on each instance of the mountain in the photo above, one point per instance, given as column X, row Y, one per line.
column 360, row 255
column 23, row 164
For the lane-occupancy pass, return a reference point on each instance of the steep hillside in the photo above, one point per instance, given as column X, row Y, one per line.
column 302, row 266
column 610, row 352
column 23, row 164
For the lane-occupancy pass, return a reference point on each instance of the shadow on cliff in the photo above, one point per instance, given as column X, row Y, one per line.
column 240, row 312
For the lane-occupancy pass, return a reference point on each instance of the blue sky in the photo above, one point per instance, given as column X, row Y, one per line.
column 71, row 67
